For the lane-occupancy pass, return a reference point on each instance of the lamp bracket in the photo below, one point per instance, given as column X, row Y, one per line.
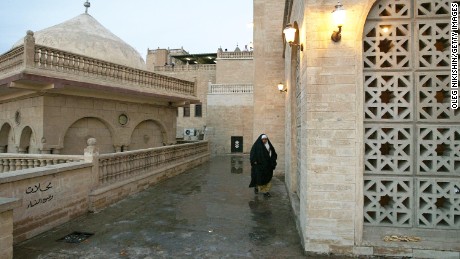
column 337, row 35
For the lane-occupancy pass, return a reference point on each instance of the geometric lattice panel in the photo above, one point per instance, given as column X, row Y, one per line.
column 387, row 45
column 388, row 96
column 390, row 9
column 411, row 135
column 438, row 203
column 388, row 149
column 433, row 44
column 438, row 150
column 388, row 201
column 430, row 8
column 433, row 90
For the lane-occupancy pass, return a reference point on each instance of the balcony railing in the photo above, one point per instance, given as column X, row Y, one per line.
column 192, row 67
column 230, row 89
column 36, row 59
column 119, row 166
column 14, row 162
column 235, row 55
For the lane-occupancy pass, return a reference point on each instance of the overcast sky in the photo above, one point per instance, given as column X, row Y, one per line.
column 200, row 26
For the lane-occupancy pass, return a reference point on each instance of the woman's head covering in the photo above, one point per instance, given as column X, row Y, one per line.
column 263, row 136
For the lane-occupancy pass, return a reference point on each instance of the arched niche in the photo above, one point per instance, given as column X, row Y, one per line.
column 81, row 130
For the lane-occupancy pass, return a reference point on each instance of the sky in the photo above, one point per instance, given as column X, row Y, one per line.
column 199, row 26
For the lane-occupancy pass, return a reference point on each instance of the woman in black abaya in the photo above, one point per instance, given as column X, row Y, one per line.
column 263, row 161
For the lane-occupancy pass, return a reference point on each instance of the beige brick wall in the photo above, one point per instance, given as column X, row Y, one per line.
column 269, row 104
column 330, row 212
column 235, row 71
column 229, row 115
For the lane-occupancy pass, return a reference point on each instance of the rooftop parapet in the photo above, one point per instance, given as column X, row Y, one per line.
column 235, row 55
column 54, row 63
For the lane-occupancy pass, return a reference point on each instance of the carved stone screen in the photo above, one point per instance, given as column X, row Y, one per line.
column 411, row 135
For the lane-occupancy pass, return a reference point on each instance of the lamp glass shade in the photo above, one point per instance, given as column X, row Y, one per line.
column 338, row 15
column 289, row 33
column 280, row 86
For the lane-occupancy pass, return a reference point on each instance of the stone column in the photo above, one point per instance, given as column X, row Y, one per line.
column 91, row 154
column 29, row 49
column 6, row 226
column 269, row 104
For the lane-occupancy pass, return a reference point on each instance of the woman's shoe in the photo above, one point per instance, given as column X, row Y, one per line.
column 267, row 194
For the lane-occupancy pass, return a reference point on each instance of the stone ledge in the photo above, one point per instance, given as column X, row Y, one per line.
column 116, row 185
column 41, row 171
column 435, row 254
column 7, row 204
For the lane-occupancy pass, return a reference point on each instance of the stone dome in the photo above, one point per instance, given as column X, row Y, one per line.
column 84, row 35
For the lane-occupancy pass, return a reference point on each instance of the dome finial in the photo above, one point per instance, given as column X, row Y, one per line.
column 87, row 4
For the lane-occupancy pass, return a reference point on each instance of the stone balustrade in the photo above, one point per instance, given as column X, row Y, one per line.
column 230, row 88
column 14, row 162
column 235, row 55
column 57, row 60
column 12, row 60
column 119, row 166
column 36, row 59
column 181, row 68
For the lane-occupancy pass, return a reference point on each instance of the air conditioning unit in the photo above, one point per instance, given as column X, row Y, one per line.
column 189, row 132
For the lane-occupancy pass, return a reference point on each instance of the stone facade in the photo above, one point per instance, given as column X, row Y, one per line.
column 326, row 144
column 269, row 114
column 6, row 226
column 62, row 124
column 226, row 113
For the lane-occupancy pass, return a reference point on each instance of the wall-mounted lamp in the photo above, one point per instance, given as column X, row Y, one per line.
column 289, row 35
column 281, row 88
column 338, row 16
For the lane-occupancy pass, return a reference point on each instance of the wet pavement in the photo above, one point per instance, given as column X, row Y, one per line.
column 207, row 212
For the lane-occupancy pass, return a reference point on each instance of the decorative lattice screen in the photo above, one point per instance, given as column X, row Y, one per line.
column 412, row 136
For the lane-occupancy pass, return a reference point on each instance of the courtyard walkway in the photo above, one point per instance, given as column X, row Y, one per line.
column 207, row 212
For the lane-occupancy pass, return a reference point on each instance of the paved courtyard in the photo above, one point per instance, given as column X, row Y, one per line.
column 207, row 212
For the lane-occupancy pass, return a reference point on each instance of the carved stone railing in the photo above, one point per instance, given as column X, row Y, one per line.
column 57, row 60
column 120, row 166
column 14, row 162
column 230, row 89
column 235, row 55
column 177, row 68
column 36, row 59
column 12, row 60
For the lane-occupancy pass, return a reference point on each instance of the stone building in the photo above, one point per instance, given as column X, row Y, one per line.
column 225, row 89
column 76, row 80
column 368, row 143
column 371, row 144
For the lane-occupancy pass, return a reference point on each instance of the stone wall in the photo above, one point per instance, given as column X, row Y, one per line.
column 330, row 205
column 269, row 114
column 45, row 197
column 19, row 115
column 79, row 117
column 234, row 71
column 49, row 196
column 6, row 226
column 229, row 115
column 202, row 77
